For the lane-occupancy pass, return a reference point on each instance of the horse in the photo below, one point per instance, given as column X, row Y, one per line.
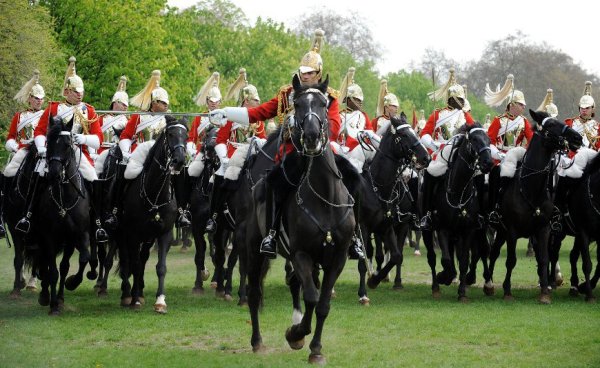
column 386, row 203
column 200, row 208
column 63, row 219
column 149, row 213
column 584, row 225
column 526, row 207
column 16, row 190
column 317, row 218
column 457, row 207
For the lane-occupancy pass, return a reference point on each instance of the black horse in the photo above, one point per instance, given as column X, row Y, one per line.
column 149, row 213
column 317, row 218
column 16, row 190
column 526, row 206
column 64, row 220
column 386, row 202
column 457, row 209
column 584, row 225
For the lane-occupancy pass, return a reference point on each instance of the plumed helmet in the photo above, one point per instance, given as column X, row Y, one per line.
column 587, row 100
column 72, row 80
column 548, row 105
column 121, row 94
column 151, row 92
column 209, row 91
column 349, row 88
column 31, row 88
column 312, row 61
column 450, row 89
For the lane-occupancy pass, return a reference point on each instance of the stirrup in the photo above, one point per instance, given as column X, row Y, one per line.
column 268, row 245
column 183, row 220
column 494, row 217
column 355, row 251
column 211, row 224
column 111, row 221
column 425, row 223
column 24, row 225
column 101, row 235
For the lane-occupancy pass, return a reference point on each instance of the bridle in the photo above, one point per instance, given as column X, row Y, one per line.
column 310, row 114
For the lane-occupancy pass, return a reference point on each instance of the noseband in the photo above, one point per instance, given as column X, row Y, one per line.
column 323, row 124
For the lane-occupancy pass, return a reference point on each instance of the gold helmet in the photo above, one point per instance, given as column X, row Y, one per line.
column 209, row 91
column 349, row 88
column 72, row 80
column 507, row 92
column 450, row 89
column 242, row 89
column 121, row 96
column 31, row 88
column 151, row 92
column 312, row 61
column 587, row 100
column 548, row 105
column 385, row 98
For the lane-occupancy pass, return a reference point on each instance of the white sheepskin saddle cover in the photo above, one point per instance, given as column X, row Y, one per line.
column 439, row 165
column 85, row 167
column 197, row 166
column 236, row 162
column 509, row 164
column 574, row 168
column 136, row 161
column 99, row 164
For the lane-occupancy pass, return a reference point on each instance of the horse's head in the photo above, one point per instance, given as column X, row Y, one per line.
column 209, row 141
column 406, row 144
column 479, row 146
column 310, row 117
column 556, row 134
column 176, row 134
column 59, row 155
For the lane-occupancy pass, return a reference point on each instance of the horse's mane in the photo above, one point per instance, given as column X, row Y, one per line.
column 54, row 131
column 463, row 129
column 593, row 166
column 163, row 135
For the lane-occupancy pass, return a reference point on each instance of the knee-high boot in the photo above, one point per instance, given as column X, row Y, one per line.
column 268, row 246
column 216, row 203
column 112, row 220
column 181, row 197
column 561, row 210
column 95, row 189
column 24, row 224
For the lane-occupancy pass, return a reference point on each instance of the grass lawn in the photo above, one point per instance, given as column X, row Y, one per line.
column 404, row 328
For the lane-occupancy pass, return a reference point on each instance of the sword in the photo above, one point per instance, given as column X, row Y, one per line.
column 206, row 114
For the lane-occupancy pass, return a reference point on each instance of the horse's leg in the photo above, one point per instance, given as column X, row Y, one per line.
column 75, row 280
column 295, row 286
column 18, row 263
column 303, row 266
column 231, row 262
column 163, row 243
column 379, row 252
column 256, row 266
column 462, row 253
column 362, row 289
column 64, row 271
column 102, row 254
column 219, row 260
column 243, row 261
column 488, row 287
column 202, row 273
column 586, row 264
column 596, row 277
column 125, row 267
column 401, row 232
column 541, row 255
column 44, row 273
column 92, row 274
column 53, row 275
column 107, row 266
column 553, row 253
column 144, row 256
column 330, row 275
column 428, row 242
column 448, row 272
column 475, row 248
column 137, row 271
column 389, row 238
column 511, row 261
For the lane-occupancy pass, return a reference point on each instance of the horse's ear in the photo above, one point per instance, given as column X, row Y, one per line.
column 69, row 126
column 403, row 117
column 537, row 116
column 296, row 82
column 323, row 86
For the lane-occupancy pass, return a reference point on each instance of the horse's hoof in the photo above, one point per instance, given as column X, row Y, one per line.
column 463, row 299
column 44, row 300
column 559, row 280
column 219, row 294
column 259, row 348
column 136, row 306
column 205, row 274
column 590, row 299
column 509, row 297
column 545, row 299
column 160, row 308
column 333, row 294
column 364, row 300
column 573, row 292
column 91, row 275
column 198, row 290
column 436, row 294
column 398, row 287
column 213, row 285
column 317, row 359
column 72, row 282
column 126, row 302
column 102, row 293
column 243, row 303
column 31, row 288
column 15, row 294
column 142, row 300
column 445, row 278
column 296, row 345
column 371, row 283
column 489, row 291
column 227, row 298
column 184, row 249
column 54, row 312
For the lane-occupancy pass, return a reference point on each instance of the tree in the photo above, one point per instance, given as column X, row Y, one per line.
column 349, row 32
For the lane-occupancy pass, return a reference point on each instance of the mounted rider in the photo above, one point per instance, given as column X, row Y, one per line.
column 230, row 137
column 354, row 121
column 86, row 133
column 507, row 131
column 20, row 132
column 387, row 107
column 571, row 167
column 439, row 128
column 140, row 134
column 281, row 107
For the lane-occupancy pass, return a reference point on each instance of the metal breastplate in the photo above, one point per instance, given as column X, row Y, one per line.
column 588, row 131
column 109, row 124
column 28, row 129
column 352, row 123
column 447, row 129
column 78, row 113
column 152, row 130
column 509, row 138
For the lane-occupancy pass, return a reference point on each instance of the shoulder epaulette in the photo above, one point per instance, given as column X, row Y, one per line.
column 333, row 92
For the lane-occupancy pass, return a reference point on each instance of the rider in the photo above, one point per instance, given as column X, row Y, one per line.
column 142, row 130
column 589, row 128
column 20, row 133
column 309, row 73
column 509, row 130
column 112, row 126
column 229, row 137
column 387, row 106
column 86, row 133
column 438, row 129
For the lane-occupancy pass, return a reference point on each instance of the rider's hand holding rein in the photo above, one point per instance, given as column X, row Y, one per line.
column 235, row 114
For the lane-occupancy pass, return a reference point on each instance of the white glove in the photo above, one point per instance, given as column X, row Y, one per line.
column 125, row 145
column 221, row 150
column 218, row 117
column 126, row 157
column 40, row 144
column 79, row 139
column 94, row 156
column 191, row 149
column 238, row 115
column 428, row 142
column 12, row 145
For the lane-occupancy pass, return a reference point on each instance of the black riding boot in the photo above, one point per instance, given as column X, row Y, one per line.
column 112, row 220
column 24, row 224
column 427, row 194
column 356, row 248
column 2, row 196
column 268, row 246
column 181, row 197
column 95, row 189
column 216, row 203
column 561, row 209
column 498, row 189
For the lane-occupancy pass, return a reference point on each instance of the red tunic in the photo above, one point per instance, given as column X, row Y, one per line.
column 432, row 121
column 20, row 135
column 227, row 136
column 352, row 142
column 495, row 126
column 570, row 121
column 52, row 110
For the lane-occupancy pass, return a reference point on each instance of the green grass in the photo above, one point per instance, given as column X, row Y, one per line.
column 400, row 329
